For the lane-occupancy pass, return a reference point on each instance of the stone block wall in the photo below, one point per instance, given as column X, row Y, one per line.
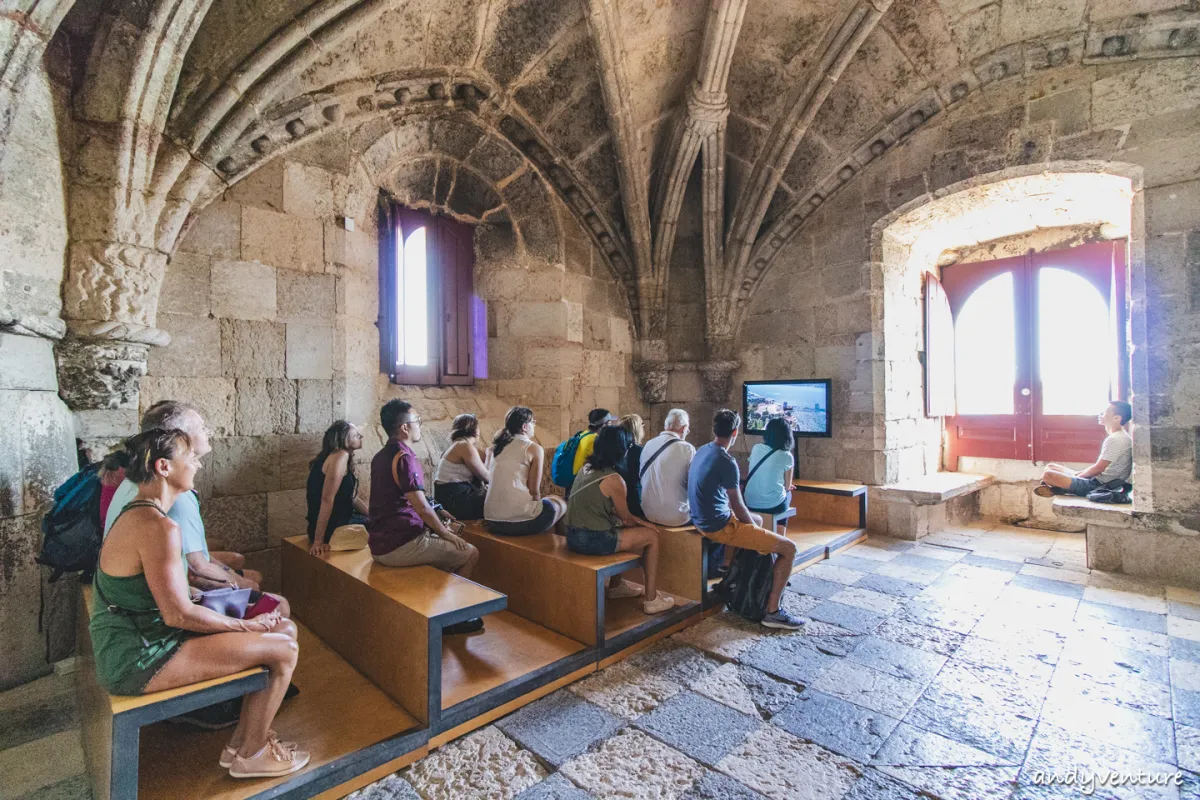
column 37, row 447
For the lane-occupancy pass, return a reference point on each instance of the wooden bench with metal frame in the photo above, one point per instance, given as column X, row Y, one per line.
column 829, row 517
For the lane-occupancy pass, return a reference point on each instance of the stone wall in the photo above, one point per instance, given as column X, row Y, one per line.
column 271, row 305
column 36, row 432
column 820, row 311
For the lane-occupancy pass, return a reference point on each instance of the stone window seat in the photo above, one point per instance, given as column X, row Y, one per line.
column 1137, row 543
column 917, row 507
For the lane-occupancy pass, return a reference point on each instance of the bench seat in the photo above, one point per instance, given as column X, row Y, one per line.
column 915, row 508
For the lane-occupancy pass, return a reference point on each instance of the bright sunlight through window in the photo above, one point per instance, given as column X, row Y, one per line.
column 985, row 352
column 412, row 326
column 1071, row 312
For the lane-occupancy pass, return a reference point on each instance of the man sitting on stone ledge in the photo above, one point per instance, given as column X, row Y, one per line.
column 404, row 529
column 1114, row 466
column 206, row 570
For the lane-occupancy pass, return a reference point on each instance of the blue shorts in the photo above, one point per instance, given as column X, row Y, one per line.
column 539, row 524
column 592, row 543
column 1082, row 486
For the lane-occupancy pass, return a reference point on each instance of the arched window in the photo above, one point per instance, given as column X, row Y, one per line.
column 1038, row 351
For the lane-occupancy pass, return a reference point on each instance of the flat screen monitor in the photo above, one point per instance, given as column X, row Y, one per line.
column 804, row 404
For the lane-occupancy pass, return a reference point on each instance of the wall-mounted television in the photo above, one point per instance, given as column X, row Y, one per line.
column 804, row 404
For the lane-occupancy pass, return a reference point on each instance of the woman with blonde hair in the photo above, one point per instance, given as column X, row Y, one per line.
column 148, row 635
column 630, row 467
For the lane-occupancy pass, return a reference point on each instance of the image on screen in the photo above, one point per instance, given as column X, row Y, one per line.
column 803, row 405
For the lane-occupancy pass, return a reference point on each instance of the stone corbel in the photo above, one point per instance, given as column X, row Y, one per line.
column 100, row 374
column 652, row 380
column 716, row 380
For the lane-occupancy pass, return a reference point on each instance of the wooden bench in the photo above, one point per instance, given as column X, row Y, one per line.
column 830, row 516
column 551, row 585
column 337, row 714
column 388, row 622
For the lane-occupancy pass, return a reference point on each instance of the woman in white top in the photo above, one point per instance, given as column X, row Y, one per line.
column 460, row 480
column 768, row 487
column 514, row 504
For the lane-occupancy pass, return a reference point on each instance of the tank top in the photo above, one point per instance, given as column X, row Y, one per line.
column 588, row 507
column 508, row 498
column 449, row 472
column 343, row 501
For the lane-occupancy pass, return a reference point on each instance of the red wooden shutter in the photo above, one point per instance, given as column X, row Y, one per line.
column 939, row 350
column 454, row 256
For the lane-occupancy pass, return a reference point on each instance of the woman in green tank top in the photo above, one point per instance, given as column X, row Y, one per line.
column 148, row 635
column 599, row 522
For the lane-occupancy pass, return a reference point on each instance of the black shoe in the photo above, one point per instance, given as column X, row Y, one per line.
column 467, row 626
column 214, row 717
column 292, row 691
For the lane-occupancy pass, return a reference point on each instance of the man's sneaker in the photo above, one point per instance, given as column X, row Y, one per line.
column 467, row 626
column 1044, row 490
column 623, row 589
column 273, row 760
column 782, row 620
column 659, row 604
column 230, row 752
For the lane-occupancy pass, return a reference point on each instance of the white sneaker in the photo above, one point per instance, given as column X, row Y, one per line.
column 623, row 589
column 659, row 604
column 230, row 752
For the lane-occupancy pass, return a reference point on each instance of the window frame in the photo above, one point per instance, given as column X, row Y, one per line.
column 456, row 316
column 1028, row 434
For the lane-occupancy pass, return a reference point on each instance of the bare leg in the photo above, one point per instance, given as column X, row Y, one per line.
column 785, row 549
column 213, row 656
column 1060, row 480
column 645, row 541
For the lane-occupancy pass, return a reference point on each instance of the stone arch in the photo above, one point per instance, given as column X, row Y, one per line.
column 923, row 234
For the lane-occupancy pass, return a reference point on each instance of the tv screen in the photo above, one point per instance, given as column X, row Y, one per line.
column 804, row 405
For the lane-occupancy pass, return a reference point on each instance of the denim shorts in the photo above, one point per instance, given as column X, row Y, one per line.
column 1082, row 486
column 592, row 543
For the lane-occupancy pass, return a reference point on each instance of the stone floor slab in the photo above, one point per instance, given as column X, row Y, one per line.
column 1001, row 687
column 635, row 766
column 485, row 763
column 914, row 634
column 1019, row 654
column 959, row 783
column 868, row 600
column 874, row 785
column 813, row 586
column 998, row 564
column 975, row 723
column 1105, row 722
column 724, row 635
column 393, row 787
column 1056, row 750
column 1042, row 584
column 1185, row 675
column 1184, row 610
column 909, row 574
column 1187, row 747
column 784, row 767
column 747, row 690
column 715, row 786
column 1098, row 682
column 1119, row 636
column 890, row 586
column 835, row 724
column 556, row 787
column 1137, row 663
column 792, row 658
column 939, row 615
column 899, row 660
column 1152, row 604
column 828, row 572
column 674, row 661
column 909, row 746
column 1183, row 628
column 1185, row 649
column 851, row 618
column 1186, row 707
column 848, row 560
column 698, row 727
column 869, row 688
column 626, row 691
column 1122, row 617
column 560, row 726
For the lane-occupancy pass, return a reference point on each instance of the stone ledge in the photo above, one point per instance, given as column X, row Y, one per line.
column 931, row 490
column 1104, row 513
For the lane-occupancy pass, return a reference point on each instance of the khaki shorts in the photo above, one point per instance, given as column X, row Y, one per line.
column 428, row 548
column 746, row 536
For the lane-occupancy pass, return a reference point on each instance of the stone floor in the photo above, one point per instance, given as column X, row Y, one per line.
column 964, row 666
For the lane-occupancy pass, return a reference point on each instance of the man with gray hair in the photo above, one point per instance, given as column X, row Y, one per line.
column 665, row 462
column 206, row 570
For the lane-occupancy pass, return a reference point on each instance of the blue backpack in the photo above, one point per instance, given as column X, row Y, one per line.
column 71, row 530
column 562, row 466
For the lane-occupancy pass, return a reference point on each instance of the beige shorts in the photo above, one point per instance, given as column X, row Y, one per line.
column 428, row 548
column 746, row 536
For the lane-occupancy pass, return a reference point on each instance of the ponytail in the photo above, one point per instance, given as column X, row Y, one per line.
column 514, row 421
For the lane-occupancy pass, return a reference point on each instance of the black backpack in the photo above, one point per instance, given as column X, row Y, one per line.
column 72, row 530
column 748, row 584
column 1115, row 492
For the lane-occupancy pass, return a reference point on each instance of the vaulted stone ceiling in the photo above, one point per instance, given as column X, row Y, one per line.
column 617, row 103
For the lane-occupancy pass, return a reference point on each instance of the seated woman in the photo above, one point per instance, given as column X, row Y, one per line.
column 597, row 511
column 460, row 480
column 768, row 487
column 630, row 467
column 148, row 635
column 332, row 489
column 514, row 505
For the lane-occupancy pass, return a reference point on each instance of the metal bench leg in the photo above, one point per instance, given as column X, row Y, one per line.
column 126, row 735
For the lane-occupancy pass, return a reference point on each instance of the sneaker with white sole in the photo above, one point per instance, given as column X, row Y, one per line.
column 782, row 620
column 273, row 760
column 659, row 604
column 230, row 752
column 1044, row 490
column 623, row 589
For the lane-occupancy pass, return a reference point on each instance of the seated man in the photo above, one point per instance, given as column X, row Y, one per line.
column 1114, row 464
column 664, row 472
column 404, row 530
column 206, row 570
column 719, row 513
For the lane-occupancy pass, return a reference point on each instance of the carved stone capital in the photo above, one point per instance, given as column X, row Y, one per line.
column 100, row 373
column 112, row 292
column 716, row 380
column 652, row 380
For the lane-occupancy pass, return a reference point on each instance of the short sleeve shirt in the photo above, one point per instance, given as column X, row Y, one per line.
column 767, row 488
column 712, row 476
column 1118, row 451
column 393, row 521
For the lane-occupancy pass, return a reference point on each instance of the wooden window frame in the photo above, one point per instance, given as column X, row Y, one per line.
column 457, row 317
column 1028, row 434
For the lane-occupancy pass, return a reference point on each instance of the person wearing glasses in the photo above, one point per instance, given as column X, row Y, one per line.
column 514, row 505
column 403, row 529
